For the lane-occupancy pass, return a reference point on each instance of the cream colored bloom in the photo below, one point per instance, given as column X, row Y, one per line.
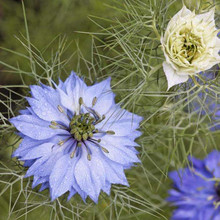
column 190, row 45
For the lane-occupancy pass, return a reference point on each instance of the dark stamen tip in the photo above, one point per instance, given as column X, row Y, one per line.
column 60, row 108
column 54, row 123
column 61, row 143
column 90, row 135
column 110, row 132
column 52, row 126
column 96, row 131
column 72, row 154
column 89, row 157
column 80, row 100
column 94, row 101
column 105, row 150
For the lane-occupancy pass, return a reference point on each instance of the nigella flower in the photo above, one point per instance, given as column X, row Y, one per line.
column 76, row 139
column 196, row 190
column 190, row 45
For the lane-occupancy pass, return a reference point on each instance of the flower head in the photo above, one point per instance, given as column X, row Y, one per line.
column 196, row 190
column 190, row 45
column 76, row 139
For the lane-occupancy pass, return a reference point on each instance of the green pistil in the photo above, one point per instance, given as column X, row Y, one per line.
column 82, row 127
column 186, row 46
column 190, row 46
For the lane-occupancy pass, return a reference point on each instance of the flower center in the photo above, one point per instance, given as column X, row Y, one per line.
column 190, row 46
column 82, row 127
column 185, row 47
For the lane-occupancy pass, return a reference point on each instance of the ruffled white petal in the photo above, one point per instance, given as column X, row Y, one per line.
column 172, row 77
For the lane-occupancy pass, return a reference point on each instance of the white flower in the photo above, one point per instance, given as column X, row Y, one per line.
column 190, row 45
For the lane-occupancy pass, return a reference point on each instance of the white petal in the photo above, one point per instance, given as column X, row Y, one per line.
column 208, row 16
column 184, row 12
column 172, row 77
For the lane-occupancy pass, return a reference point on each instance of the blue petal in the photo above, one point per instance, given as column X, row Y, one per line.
column 61, row 85
column 184, row 214
column 44, row 165
column 71, row 194
column 196, row 163
column 199, row 167
column 74, row 90
column 105, row 97
column 47, row 112
column 79, row 191
column 107, row 188
column 35, row 128
column 212, row 163
column 119, row 153
column 114, row 171
column 46, row 93
column 25, row 112
column 122, row 122
column 39, row 151
column 90, row 175
column 38, row 180
column 67, row 101
column 189, row 182
column 96, row 91
column 216, row 215
column 74, row 86
column 117, row 114
column 134, row 135
column 61, row 178
column 26, row 144
column 119, row 141
column 104, row 103
column 48, row 99
column 29, row 163
column 121, row 128
column 44, row 186
column 206, row 213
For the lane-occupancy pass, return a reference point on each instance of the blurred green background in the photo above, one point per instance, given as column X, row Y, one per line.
column 46, row 21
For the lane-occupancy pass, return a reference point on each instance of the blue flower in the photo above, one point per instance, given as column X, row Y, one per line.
column 196, row 190
column 76, row 139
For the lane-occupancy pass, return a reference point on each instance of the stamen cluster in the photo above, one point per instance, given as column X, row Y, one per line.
column 82, row 127
column 187, row 46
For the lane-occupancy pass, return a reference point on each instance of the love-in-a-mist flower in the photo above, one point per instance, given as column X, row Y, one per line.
column 196, row 190
column 190, row 45
column 76, row 139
